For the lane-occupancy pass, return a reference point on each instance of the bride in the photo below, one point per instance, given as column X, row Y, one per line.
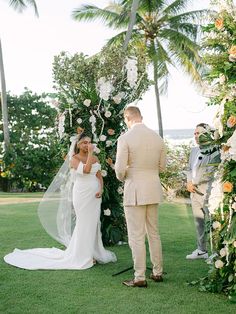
column 70, row 213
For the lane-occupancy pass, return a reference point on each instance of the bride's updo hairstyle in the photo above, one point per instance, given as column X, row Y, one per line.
column 81, row 135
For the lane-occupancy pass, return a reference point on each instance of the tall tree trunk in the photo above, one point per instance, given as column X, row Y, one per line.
column 157, row 94
column 4, row 102
column 134, row 8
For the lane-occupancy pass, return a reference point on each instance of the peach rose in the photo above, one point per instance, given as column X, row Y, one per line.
column 219, row 23
column 225, row 148
column 111, row 131
column 232, row 50
column 227, row 187
column 231, row 121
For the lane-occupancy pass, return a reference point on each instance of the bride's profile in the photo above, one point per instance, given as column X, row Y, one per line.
column 70, row 213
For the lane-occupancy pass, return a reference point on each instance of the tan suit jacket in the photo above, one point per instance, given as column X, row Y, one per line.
column 141, row 156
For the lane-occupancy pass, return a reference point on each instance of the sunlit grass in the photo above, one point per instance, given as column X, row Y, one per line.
column 96, row 290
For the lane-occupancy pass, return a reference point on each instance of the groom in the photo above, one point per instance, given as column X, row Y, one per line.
column 141, row 155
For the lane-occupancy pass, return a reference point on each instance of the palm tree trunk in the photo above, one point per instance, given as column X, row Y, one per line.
column 134, row 8
column 4, row 102
column 157, row 94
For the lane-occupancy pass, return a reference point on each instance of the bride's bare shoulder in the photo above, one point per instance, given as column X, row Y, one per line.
column 75, row 160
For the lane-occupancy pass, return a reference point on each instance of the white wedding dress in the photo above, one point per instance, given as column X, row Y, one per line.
column 86, row 241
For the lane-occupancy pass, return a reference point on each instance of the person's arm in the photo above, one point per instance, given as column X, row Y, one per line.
column 89, row 161
column 162, row 162
column 121, row 158
column 190, row 187
column 100, row 178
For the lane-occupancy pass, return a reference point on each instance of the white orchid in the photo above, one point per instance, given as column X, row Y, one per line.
column 216, row 197
column 132, row 72
column 61, row 125
column 105, row 88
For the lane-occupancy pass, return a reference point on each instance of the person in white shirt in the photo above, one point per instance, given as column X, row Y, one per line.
column 199, row 179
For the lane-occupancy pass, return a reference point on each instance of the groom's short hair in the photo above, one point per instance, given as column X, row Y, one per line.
column 133, row 112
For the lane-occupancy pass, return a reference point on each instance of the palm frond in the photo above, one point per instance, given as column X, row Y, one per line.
column 92, row 13
column 180, row 40
column 176, row 6
column 186, row 60
column 151, row 5
column 189, row 29
column 21, row 5
column 191, row 16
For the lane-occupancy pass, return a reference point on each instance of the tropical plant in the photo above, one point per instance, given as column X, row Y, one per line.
column 164, row 28
column 220, row 56
column 92, row 93
column 21, row 5
column 33, row 155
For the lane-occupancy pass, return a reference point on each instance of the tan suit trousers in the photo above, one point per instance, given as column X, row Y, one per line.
column 142, row 220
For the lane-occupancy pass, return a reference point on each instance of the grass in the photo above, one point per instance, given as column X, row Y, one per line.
column 21, row 195
column 95, row 290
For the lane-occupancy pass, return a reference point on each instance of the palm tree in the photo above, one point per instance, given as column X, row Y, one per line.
column 167, row 30
column 18, row 5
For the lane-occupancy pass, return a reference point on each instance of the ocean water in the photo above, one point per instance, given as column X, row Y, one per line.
column 179, row 136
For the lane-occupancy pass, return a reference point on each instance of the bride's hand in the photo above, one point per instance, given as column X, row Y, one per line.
column 98, row 194
column 90, row 148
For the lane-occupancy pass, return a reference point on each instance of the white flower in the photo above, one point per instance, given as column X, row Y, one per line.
column 61, row 125
column 87, row 102
column 216, row 225
column 216, row 196
column 102, row 138
column 120, row 190
column 107, row 212
column 222, row 79
column 96, row 150
column 92, row 119
column 108, row 143
column 117, row 98
column 234, row 206
column 219, row 264
column 79, row 120
column 234, row 243
column 105, row 88
column 70, row 101
column 107, row 114
column 104, row 173
column 132, row 71
column 223, row 252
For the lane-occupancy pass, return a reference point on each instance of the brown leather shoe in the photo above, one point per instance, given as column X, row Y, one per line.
column 132, row 283
column 156, row 278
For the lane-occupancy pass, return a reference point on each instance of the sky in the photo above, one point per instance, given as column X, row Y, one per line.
column 29, row 45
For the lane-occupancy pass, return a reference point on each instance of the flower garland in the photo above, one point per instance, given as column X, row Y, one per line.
column 220, row 55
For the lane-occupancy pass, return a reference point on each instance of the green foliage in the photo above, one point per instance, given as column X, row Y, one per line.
column 82, row 105
column 220, row 56
column 32, row 158
column 174, row 177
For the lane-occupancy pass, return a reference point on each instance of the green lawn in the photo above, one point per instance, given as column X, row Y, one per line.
column 21, row 195
column 95, row 290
